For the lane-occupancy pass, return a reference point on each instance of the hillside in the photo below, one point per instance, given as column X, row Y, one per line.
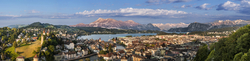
column 224, row 29
column 204, row 27
column 233, row 48
column 86, row 30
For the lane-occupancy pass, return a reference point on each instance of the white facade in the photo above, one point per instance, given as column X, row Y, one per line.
column 70, row 46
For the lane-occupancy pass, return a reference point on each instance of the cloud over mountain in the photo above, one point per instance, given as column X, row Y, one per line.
column 228, row 6
column 131, row 12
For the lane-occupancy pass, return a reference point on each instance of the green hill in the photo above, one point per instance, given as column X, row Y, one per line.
column 85, row 30
column 224, row 29
column 236, row 47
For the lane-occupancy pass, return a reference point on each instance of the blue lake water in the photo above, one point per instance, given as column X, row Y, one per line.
column 106, row 37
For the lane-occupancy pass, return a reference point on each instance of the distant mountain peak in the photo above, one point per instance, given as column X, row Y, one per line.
column 116, row 24
column 100, row 18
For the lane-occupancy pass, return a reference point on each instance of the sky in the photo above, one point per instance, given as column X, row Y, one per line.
column 71, row 12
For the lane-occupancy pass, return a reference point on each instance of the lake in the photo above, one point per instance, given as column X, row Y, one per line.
column 106, row 37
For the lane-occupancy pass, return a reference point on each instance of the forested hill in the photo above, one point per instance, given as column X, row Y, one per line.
column 236, row 47
column 86, row 30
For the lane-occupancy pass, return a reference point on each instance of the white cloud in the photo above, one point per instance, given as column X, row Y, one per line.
column 186, row 6
column 34, row 11
column 131, row 12
column 228, row 6
column 243, row 7
column 165, row 1
column 203, row 7
column 10, row 15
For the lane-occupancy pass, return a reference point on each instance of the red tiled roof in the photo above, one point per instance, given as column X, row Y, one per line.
column 122, row 51
column 36, row 56
column 20, row 57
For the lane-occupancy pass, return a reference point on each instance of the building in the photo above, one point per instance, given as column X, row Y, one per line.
column 138, row 58
column 35, row 58
column 70, row 45
column 124, row 58
column 20, row 58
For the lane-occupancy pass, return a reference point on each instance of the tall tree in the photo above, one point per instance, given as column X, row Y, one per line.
column 237, row 57
column 110, row 48
column 202, row 53
column 244, row 57
column 51, row 48
column 15, row 44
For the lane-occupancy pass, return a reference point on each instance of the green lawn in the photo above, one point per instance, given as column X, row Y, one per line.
column 26, row 50
column 12, row 52
column 24, row 45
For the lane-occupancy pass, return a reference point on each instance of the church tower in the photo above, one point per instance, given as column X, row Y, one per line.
column 42, row 36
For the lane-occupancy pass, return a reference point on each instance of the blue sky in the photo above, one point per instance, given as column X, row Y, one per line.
column 70, row 12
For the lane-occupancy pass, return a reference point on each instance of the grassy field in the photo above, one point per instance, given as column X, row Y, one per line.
column 26, row 50
column 12, row 51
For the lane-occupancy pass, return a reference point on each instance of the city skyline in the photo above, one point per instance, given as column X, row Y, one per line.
column 63, row 12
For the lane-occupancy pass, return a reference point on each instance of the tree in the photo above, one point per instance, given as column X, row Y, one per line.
column 38, row 49
column 87, row 59
column 51, row 48
column 244, row 57
column 110, row 48
column 3, row 56
column 19, row 42
column 102, row 52
column 243, row 42
column 152, row 45
column 15, row 44
column 48, row 56
column 14, row 29
column 3, row 38
column 34, row 52
column 202, row 53
column 210, row 56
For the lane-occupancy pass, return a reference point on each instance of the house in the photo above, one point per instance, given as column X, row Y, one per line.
column 35, row 58
column 44, row 49
column 79, row 53
column 85, row 51
column 58, row 47
column 69, row 55
column 34, row 38
column 18, row 40
column 20, row 58
column 78, row 48
column 138, row 58
column 96, row 50
column 121, row 52
column 124, row 58
column 70, row 45
column 58, row 57
column 109, row 56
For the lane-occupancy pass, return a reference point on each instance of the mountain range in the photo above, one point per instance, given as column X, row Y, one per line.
column 110, row 23
column 115, row 24
column 209, row 26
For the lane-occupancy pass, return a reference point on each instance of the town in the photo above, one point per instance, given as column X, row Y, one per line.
column 57, row 45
